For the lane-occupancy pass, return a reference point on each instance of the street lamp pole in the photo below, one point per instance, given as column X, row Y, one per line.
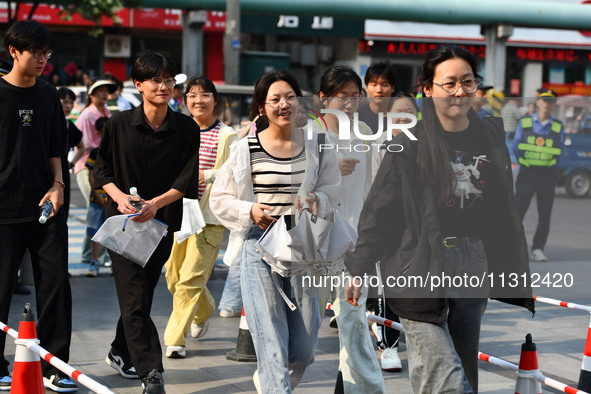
column 232, row 42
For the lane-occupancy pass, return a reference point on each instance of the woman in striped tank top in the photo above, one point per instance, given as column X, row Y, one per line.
column 266, row 176
column 190, row 262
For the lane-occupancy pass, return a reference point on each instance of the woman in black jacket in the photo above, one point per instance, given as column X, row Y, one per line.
column 441, row 218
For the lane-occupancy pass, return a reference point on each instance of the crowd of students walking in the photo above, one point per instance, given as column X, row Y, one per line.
column 441, row 202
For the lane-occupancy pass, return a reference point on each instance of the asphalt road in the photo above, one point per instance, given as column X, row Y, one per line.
column 558, row 332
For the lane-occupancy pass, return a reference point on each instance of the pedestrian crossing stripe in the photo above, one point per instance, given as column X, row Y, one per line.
column 76, row 231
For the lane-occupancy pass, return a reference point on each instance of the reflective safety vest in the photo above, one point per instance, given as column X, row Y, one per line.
column 419, row 99
column 537, row 150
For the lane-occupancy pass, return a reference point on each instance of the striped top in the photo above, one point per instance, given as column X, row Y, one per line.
column 208, row 149
column 275, row 181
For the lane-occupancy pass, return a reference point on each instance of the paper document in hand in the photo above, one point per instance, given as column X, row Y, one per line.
column 133, row 240
column 193, row 221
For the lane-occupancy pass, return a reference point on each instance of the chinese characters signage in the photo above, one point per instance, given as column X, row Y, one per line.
column 325, row 26
column 548, row 54
column 410, row 49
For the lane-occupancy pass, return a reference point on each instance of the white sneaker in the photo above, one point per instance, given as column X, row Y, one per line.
column 538, row 255
column 257, row 381
column 176, row 352
column 390, row 360
column 227, row 313
column 197, row 331
column 93, row 271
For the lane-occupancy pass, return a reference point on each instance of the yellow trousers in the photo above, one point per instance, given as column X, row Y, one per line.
column 187, row 271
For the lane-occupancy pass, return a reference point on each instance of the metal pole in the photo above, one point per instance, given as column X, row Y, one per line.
column 193, row 22
column 535, row 13
column 496, row 54
column 232, row 42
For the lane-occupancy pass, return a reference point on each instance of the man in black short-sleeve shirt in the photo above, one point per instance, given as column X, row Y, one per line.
column 32, row 140
column 155, row 150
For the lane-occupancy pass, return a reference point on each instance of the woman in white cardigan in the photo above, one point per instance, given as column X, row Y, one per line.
column 190, row 263
column 268, row 175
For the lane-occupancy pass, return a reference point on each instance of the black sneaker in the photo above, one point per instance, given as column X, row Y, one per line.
column 153, row 383
column 121, row 364
column 21, row 289
column 60, row 383
column 5, row 379
column 333, row 323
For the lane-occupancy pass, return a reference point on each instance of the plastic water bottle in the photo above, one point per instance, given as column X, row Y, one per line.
column 134, row 199
column 45, row 211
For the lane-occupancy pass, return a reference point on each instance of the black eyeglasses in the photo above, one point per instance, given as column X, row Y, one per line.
column 37, row 53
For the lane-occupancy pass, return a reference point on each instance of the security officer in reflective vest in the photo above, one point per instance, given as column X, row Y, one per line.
column 538, row 145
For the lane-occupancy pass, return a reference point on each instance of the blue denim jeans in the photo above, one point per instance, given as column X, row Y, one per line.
column 232, row 296
column 285, row 340
column 468, row 262
column 357, row 358
column 444, row 358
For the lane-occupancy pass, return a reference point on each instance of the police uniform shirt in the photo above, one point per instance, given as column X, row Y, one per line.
column 541, row 129
column 131, row 153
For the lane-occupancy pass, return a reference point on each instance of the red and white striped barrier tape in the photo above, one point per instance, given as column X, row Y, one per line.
column 485, row 357
column 537, row 376
column 59, row 364
column 586, row 364
column 376, row 319
column 9, row 330
column 563, row 304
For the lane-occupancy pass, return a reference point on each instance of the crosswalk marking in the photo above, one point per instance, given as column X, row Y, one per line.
column 76, row 231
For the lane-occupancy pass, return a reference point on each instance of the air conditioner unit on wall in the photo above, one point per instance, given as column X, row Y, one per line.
column 117, row 46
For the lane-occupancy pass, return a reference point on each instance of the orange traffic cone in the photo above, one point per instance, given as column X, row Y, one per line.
column 244, row 346
column 585, row 376
column 528, row 369
column 26, row 375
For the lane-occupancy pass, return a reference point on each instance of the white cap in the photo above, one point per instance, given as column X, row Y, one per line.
column 133, row 190
column 101, row 82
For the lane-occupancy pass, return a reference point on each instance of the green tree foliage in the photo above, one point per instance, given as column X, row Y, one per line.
column 92, row 10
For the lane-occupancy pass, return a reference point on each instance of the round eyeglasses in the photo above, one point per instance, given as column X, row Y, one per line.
column 469, row 85
column 344, row 100
column 168, row 82
column 276, row 103
column 203, row 96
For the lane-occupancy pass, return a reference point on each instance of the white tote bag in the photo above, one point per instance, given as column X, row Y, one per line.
column 312, row 241
column 193, row 221
column 133, row 240
column 308, row 245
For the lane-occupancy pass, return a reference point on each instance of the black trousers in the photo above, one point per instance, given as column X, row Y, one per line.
column 389, row 335
column 136, row 334
column 540, row 181
column 48, row 245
